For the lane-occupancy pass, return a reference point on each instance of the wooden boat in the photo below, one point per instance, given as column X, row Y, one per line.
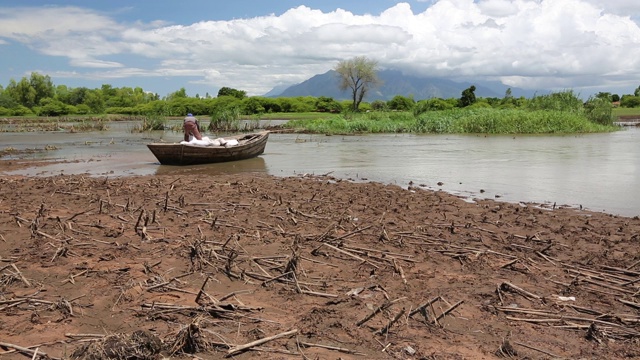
column 249, row 146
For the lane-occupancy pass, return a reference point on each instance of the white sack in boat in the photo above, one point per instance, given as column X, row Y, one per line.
column 208, row 142
column 204, row 142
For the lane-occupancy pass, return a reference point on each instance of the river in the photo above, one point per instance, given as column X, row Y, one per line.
column 600, row 172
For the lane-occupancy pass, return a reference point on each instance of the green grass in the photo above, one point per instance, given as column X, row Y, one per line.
column 621, row 111
column 456, row 121
column 289, row 116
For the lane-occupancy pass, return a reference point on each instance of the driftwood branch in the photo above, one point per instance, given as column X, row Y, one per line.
column 240, row 348
column 34, row 353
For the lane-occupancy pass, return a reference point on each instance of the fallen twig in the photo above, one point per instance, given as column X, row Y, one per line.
column 240, row 348
column 27, row 351
column 386, row 328
column 347, row 351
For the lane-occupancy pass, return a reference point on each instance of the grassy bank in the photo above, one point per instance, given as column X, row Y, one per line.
column 290, row 116
column 626, row 112
column 457, row 121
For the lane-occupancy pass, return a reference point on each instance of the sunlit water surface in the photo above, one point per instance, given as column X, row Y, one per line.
column 600, row 172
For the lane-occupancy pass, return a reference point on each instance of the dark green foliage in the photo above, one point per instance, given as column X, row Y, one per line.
column 401, row 103
column 379, row 105
column 327, row 104
column 630, row 101
column 599, row 110
column 468, row 96
column 51, row 107
column 431, row 105
column 227, row 91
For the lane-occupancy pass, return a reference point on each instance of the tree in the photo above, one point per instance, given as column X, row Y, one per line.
column 180, row 94
column 468, row 96
column 359, row 75
column 42, row 85
column 94, row 101
column 227, row 91
column 604, row 95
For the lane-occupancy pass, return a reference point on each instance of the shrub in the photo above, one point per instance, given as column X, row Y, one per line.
column 379, row 105
column 225, row 119
column 599, row 111
column 565, row 101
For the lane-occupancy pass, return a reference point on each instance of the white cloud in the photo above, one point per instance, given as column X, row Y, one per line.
column 526, row 43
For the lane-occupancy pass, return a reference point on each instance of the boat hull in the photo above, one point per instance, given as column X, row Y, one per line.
column 249, row 146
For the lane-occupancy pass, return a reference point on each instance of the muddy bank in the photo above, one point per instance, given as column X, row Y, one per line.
column 254, row 266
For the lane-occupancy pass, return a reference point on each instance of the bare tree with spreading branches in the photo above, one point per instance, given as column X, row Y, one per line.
column 359, row 75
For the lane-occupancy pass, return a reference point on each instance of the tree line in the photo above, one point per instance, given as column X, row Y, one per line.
column 37, row 95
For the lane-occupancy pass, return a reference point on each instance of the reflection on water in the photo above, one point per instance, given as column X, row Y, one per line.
column 600, row 171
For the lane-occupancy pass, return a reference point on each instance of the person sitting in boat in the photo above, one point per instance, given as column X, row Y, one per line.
column 191, row 128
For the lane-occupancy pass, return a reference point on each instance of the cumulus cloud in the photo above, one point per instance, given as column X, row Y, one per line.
column 524, row 43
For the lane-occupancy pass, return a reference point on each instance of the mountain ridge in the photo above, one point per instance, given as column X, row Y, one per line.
column 395, row 82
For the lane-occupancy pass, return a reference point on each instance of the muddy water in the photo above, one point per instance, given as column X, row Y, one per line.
column 600, row 172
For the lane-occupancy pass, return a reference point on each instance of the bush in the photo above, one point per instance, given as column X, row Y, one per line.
column 565, row 101
column 225, row 119
column 599, row 110
column 431, row 105
column 629, row 101
column 51, row 107
column 21, row 111
column 379, row 105
column 401, row 103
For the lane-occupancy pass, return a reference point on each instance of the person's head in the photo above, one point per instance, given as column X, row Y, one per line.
column 189, row 114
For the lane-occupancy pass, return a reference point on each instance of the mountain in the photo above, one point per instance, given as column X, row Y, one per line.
column 276, row 91
column 394, row 83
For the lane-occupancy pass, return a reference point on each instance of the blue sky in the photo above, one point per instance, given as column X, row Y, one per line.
column 255, row 45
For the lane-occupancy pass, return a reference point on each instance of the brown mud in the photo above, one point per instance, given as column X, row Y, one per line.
column 254, row 267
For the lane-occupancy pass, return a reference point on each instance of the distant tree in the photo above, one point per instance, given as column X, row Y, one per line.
column 62, row 93
column 630, row 101
column 108, row 91
column 42, row 85
column 637, row 91
column 508, row 94
column 7, row 101
column 468, row 96
column 94, row 100
column 26, row 94
column 227, row 91
column 615, row 97
column 182, row 93
column 604, row 96
column 77, row 95
column 359, row 75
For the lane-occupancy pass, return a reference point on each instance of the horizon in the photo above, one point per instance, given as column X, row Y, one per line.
column 588, row 46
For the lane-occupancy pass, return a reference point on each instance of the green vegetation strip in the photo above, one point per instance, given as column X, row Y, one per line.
column 458, row 121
